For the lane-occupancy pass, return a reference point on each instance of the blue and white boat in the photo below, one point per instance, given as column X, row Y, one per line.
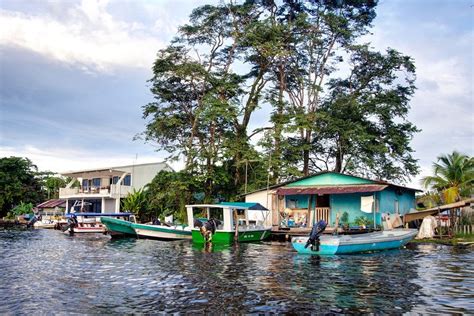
column 347, row 244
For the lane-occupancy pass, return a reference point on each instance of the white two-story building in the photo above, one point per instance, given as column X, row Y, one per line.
column 101, row 189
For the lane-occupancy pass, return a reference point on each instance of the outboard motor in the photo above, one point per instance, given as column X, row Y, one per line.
column 31, row 222
column 313, row 239
column 71, row 223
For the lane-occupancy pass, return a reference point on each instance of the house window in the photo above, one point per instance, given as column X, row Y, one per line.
column 115, row 180
column 85, row 184
column 96, row 182
column 127, row 180
column 292, row 203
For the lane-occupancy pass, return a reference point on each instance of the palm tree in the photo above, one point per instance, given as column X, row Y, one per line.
column 135, row 202
column 453, row 177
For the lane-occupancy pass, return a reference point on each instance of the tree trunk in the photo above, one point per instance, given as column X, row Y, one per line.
column 306, row 151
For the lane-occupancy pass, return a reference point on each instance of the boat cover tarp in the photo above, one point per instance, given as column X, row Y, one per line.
column 252, row 206
column 99, row 214
column 427, row 229
column 340, row 189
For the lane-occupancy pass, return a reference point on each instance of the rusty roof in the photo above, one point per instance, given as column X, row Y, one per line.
column 339, row 189
column 51, row 203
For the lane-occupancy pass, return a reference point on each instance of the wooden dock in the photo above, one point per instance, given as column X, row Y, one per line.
column 285, row 234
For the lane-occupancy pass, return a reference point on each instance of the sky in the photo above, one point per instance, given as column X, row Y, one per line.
column 73, row 76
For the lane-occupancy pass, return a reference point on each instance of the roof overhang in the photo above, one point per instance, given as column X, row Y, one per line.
column 340, row 189
column 97, row 173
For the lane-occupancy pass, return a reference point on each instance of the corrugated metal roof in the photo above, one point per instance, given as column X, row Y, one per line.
column 51, row 203
column 378, row 182
column 339, row 189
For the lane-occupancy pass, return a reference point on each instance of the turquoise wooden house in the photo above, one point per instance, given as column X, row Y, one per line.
column 302, row 202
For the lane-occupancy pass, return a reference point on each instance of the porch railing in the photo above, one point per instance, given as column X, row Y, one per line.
column 322, row 213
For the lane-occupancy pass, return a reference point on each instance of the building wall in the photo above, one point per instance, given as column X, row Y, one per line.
column 109, row 206
column 144, row 174
column 351, row 203
column 261, row 197
column 390, row 197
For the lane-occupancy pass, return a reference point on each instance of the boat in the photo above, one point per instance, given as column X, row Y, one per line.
column 226, row 222
column 88, row 222
column 119, row 226
column 348, row 244
column 162, row 232
column 45, row 223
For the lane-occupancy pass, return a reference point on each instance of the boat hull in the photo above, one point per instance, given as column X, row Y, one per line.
column 330, row 245
column 118, row 227
column 223, row 237
column 161, row 232
column 86, row 229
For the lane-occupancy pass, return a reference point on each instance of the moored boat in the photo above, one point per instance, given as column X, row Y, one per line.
column 119, row 226
column 163, row 232
column 45, row 223
column 347, row 244
column 226, row 223
column 88, row 222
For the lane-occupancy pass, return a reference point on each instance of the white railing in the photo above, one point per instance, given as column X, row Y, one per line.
column 117, row 191
column 322, row 213
column 63, row 192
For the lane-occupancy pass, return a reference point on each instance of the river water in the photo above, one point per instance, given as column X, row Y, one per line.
column 45, row 271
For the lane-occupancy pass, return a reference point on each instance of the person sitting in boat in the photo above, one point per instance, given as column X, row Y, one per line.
column 156, row 221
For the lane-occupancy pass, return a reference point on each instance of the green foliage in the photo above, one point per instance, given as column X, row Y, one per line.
column 363, row 221
column 232, row 58
column 453, row 177
column 169, row 193
column 135, row 202
column 345, row 218
column 20, row 209
column 51, row 183
column 18, row 183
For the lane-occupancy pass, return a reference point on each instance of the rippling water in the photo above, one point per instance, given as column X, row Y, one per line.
column 44, row 271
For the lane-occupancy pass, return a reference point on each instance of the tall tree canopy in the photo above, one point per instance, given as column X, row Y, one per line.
column 337, row 104
column 18, row 183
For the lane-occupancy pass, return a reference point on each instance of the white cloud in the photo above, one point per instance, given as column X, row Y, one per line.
column 87, row 36
column 68, row 159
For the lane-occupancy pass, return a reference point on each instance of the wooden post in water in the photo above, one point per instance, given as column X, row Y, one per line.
column 308, row 216
column 236, row 220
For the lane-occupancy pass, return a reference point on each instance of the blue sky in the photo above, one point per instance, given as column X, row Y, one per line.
column 73, row 76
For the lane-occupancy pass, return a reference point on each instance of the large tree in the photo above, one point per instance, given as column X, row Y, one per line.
column 207, row 84
column 18, row 183
column 302, row 59
column 362, row 125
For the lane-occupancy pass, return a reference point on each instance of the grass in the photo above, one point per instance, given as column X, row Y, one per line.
column 458, row 238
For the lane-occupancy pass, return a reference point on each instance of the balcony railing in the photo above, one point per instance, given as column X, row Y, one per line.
column 322, row 213
column 114, row 191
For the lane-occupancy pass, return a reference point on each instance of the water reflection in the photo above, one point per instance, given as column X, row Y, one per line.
column 94, row 274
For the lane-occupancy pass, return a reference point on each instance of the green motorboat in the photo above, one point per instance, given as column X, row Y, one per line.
column 228, row 217
column 119, row 227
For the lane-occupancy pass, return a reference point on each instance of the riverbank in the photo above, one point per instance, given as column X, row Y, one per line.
column 457, row 240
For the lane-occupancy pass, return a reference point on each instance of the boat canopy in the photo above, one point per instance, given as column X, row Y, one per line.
column 100, row 214
column 252, row 206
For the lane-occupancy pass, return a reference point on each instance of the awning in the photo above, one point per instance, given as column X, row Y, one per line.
column 340, row 189
column 248, row 205
column 97, row 173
